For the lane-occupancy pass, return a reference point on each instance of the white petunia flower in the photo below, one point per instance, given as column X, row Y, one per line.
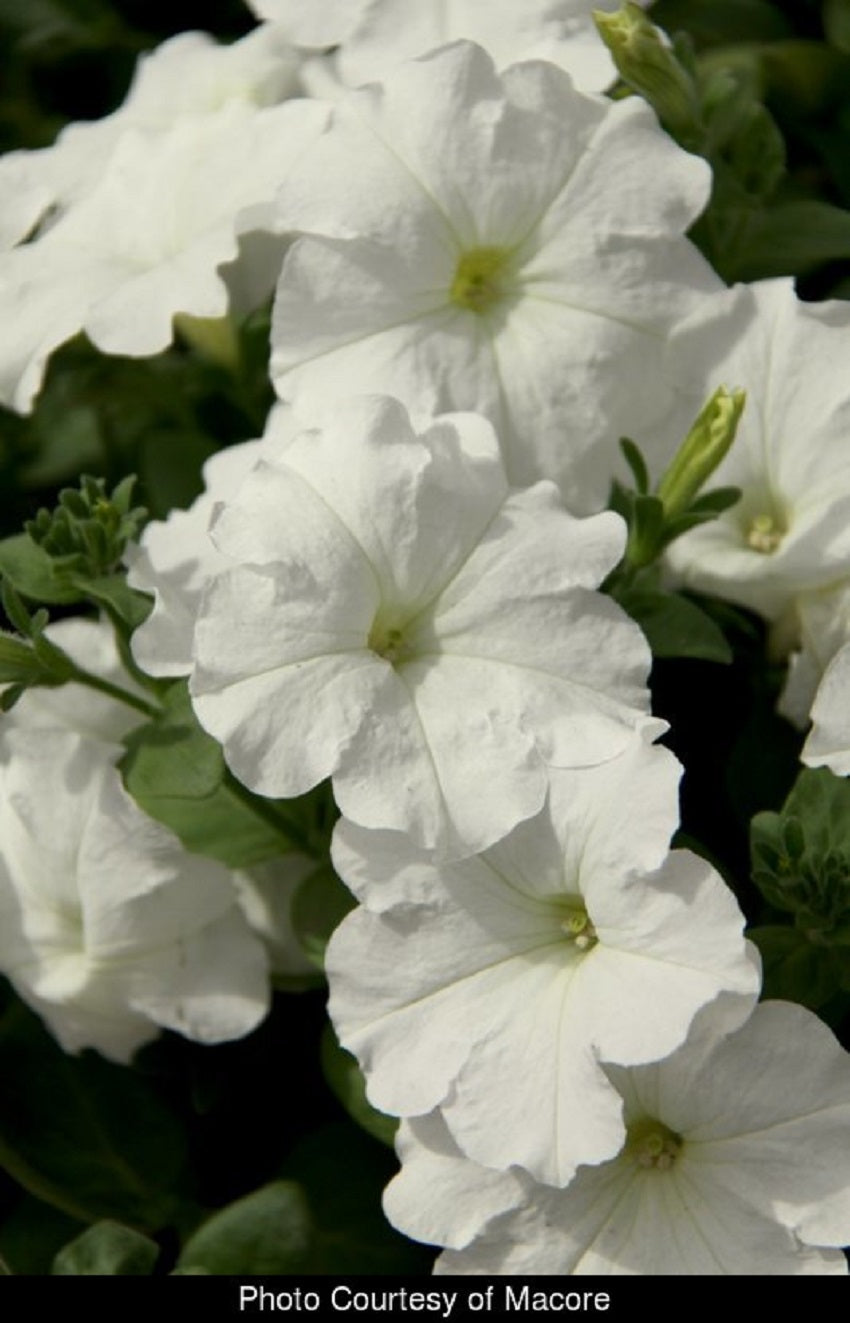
column 150, row 241
column 818, row 625
column 176, row 558
column 266, row 892
column 403, row 622
column 108, row 927
column 189, row 75
column 790, row 532
column 375, row 35
column 736, row 1161
column 311, row 26
column 495, row 987
column 828, row 744
column 502, row 244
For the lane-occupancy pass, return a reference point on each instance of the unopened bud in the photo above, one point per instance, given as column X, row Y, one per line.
column 702, row 450
column 651, row 68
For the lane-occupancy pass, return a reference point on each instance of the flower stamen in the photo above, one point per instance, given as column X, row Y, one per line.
column 765, row 534
column 577, row 926
column 652, row 1145
column 387, row 641
column 478, row 280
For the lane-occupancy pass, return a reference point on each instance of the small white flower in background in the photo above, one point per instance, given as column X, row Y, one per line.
column 375, row 35
column 189, row 75
column 790, row 532
column 266, row 892
column 736, row 1161
column 96, row 716
column 506, row 245
column 819, row 626
column 403, row 622
column 828, row 744
column 495, row 987
column 109, row 929
column 150, row 241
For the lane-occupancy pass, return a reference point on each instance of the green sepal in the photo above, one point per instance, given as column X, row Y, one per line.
column 717, row 501
column 16, row 612
column 645, row 531
column 636, row 463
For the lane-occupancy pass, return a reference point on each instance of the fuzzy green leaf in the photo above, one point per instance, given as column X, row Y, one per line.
column 107, row 1249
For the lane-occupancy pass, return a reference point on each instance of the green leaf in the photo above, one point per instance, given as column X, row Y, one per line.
column 714, row 21
column 318, row 907
column 33, row 1233
column 170, row 466
column 753, row 158
column 176, row 774
column 32, row 572
column 107, row 1249
column 836, row 23
column 172, row 757
column 820, row 801
column 86, row 1136
column 9, row 697
column 675, row 626
column 794, row 969
column 346, row 1080
column 69, row 442
column 16, row 612
column 343, row 1172
column 267, row 1232
column 790, row 239
column 114, row 594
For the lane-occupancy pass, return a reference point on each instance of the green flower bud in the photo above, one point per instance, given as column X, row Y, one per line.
column 702, row 450
column 89, row 529
column 651, row 68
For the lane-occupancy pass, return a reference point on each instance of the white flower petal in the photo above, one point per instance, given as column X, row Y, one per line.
column 465, row 986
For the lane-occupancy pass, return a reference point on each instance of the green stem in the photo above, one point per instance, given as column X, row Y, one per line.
column 122, row 642
column 114, row 691
column 272, row 817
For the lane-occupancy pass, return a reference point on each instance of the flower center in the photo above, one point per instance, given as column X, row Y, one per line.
column 765, row 533
column 386, row 639
column 576, row 924
column 653, row 1145
column 479, row 279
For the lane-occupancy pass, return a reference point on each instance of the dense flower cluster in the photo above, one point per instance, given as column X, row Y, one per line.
column 482, row 279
